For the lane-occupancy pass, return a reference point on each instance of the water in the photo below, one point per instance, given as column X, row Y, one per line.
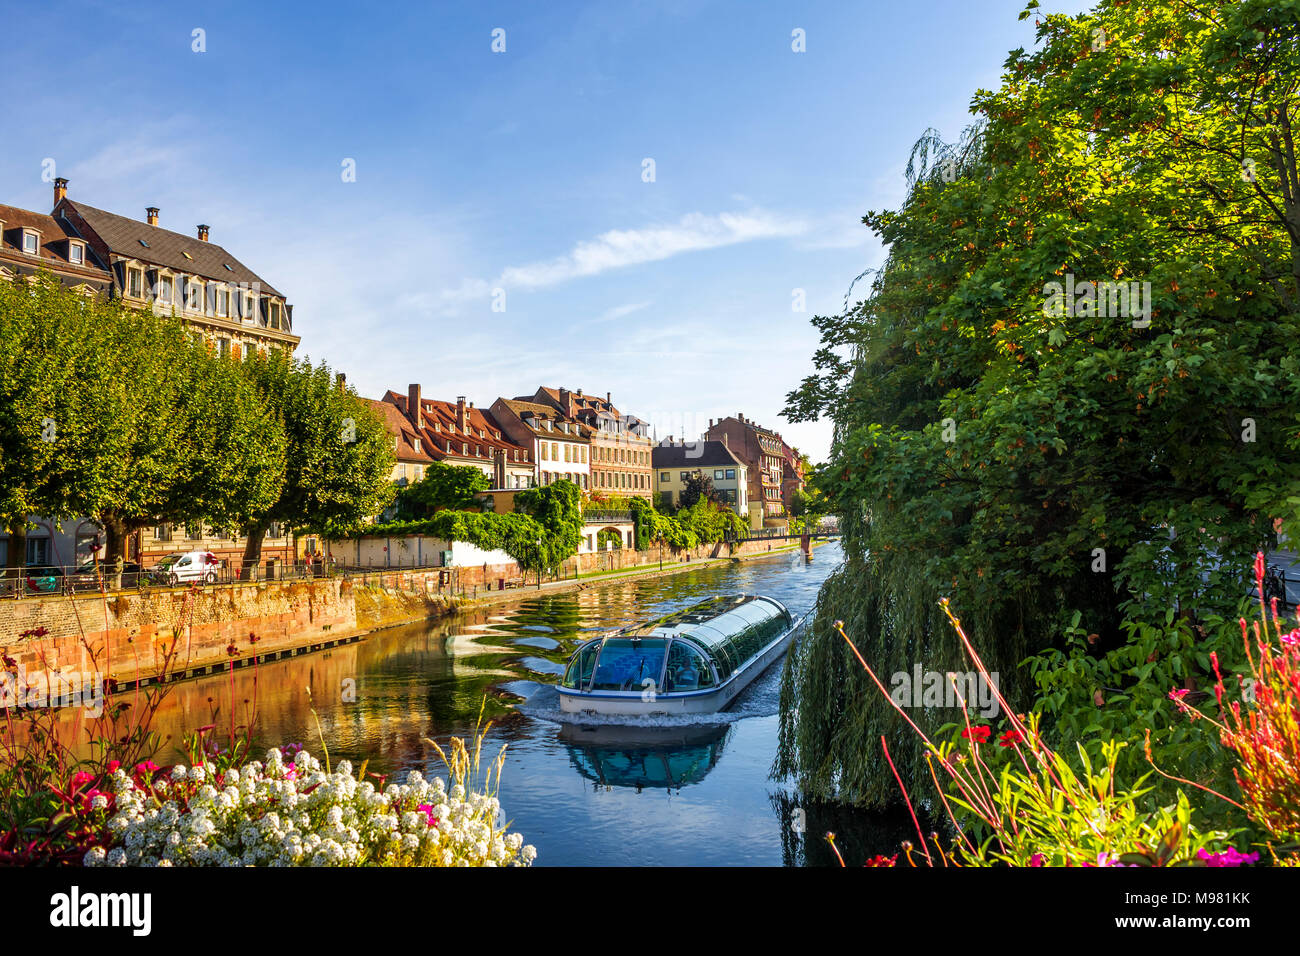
column 692, row 791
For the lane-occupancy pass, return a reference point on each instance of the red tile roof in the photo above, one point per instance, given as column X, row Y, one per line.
column 443, row 415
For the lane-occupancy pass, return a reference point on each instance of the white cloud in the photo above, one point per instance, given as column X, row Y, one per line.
column 626, row 247
column 618, row 249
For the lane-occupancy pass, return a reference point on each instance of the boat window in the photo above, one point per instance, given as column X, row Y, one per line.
column 719, row 646
column 687, row 669
column 625, row 664
column 583, row 663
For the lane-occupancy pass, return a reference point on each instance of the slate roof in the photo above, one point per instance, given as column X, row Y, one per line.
column 53, row 250
column 122, row 235
column 700, row 454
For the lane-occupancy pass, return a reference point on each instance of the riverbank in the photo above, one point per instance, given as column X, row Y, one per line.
column 176, row 634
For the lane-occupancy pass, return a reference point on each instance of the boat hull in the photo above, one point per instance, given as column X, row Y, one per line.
column 637, row 704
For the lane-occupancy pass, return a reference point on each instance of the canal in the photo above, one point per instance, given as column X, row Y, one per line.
column 681, row 793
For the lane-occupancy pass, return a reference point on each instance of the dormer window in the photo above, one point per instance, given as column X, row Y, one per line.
column 31, row 242
column 223, row 301
column 417, row 445
column 274, row 314
column 76, row 253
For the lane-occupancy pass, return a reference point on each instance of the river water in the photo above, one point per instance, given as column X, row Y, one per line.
column 584, row 794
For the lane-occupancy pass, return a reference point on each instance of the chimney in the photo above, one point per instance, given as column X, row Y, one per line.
column 566, row 402
column 710, row 422
column 203, row 233
column 608, row 400
column 151, row 215
column 414, row 411
column 580, row 393
column 460, row 413
column 60, row 189
column 342, row 382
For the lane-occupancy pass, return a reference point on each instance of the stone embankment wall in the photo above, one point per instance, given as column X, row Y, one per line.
column 190, row 631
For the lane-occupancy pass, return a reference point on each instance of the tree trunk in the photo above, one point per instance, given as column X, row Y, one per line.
column 116, row 533
column 17, row 555
column 256, row 534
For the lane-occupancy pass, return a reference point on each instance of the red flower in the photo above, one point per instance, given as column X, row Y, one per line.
column 1011, row 738
column 978, row 734
column 1259, row 568
column 879, row 860
column 113, row 765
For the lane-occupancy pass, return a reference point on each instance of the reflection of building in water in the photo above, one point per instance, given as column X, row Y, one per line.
column 660, row 757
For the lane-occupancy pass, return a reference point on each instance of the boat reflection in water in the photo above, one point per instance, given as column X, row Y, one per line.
column 666, row 758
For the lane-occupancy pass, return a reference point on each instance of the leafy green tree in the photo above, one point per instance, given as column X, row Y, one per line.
column 697, row 487
column 1031, row 453
column 443, row 486
column 338, row 455
column 119, row 414
column 557, row 507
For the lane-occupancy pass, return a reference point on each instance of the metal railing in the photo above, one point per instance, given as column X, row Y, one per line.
column 56, row 581
column 594, row 515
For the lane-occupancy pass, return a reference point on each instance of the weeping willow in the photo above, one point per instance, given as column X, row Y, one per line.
column 1030, row 463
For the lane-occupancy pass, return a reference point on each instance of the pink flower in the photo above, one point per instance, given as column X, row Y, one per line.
column 113, row 765
column 1036, row 860
column 427, row 810
column 1229, row 857
column 80, row 778
column 1177, row 694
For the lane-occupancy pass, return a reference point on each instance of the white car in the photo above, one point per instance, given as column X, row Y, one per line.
column 188, row 566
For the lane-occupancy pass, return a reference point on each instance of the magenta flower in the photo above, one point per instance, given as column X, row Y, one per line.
column 1229, row 857
column 427, row 810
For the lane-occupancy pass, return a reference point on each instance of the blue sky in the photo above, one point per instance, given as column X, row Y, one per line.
column 520, row 170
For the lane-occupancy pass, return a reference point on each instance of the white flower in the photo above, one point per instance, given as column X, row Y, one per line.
column 94, row 856
column 196, row 774
column 99, row 802
column 178, row 772
column 117, row 857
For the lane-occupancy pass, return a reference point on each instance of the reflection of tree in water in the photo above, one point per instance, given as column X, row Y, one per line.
column 859, row 834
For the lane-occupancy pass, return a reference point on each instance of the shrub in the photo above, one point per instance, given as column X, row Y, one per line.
column 298, row 814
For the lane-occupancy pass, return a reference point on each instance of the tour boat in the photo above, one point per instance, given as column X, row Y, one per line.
column 694, row 661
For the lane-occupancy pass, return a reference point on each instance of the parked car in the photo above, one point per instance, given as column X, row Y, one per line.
column 187, row 566
column 85, row 578
column 42, row 580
